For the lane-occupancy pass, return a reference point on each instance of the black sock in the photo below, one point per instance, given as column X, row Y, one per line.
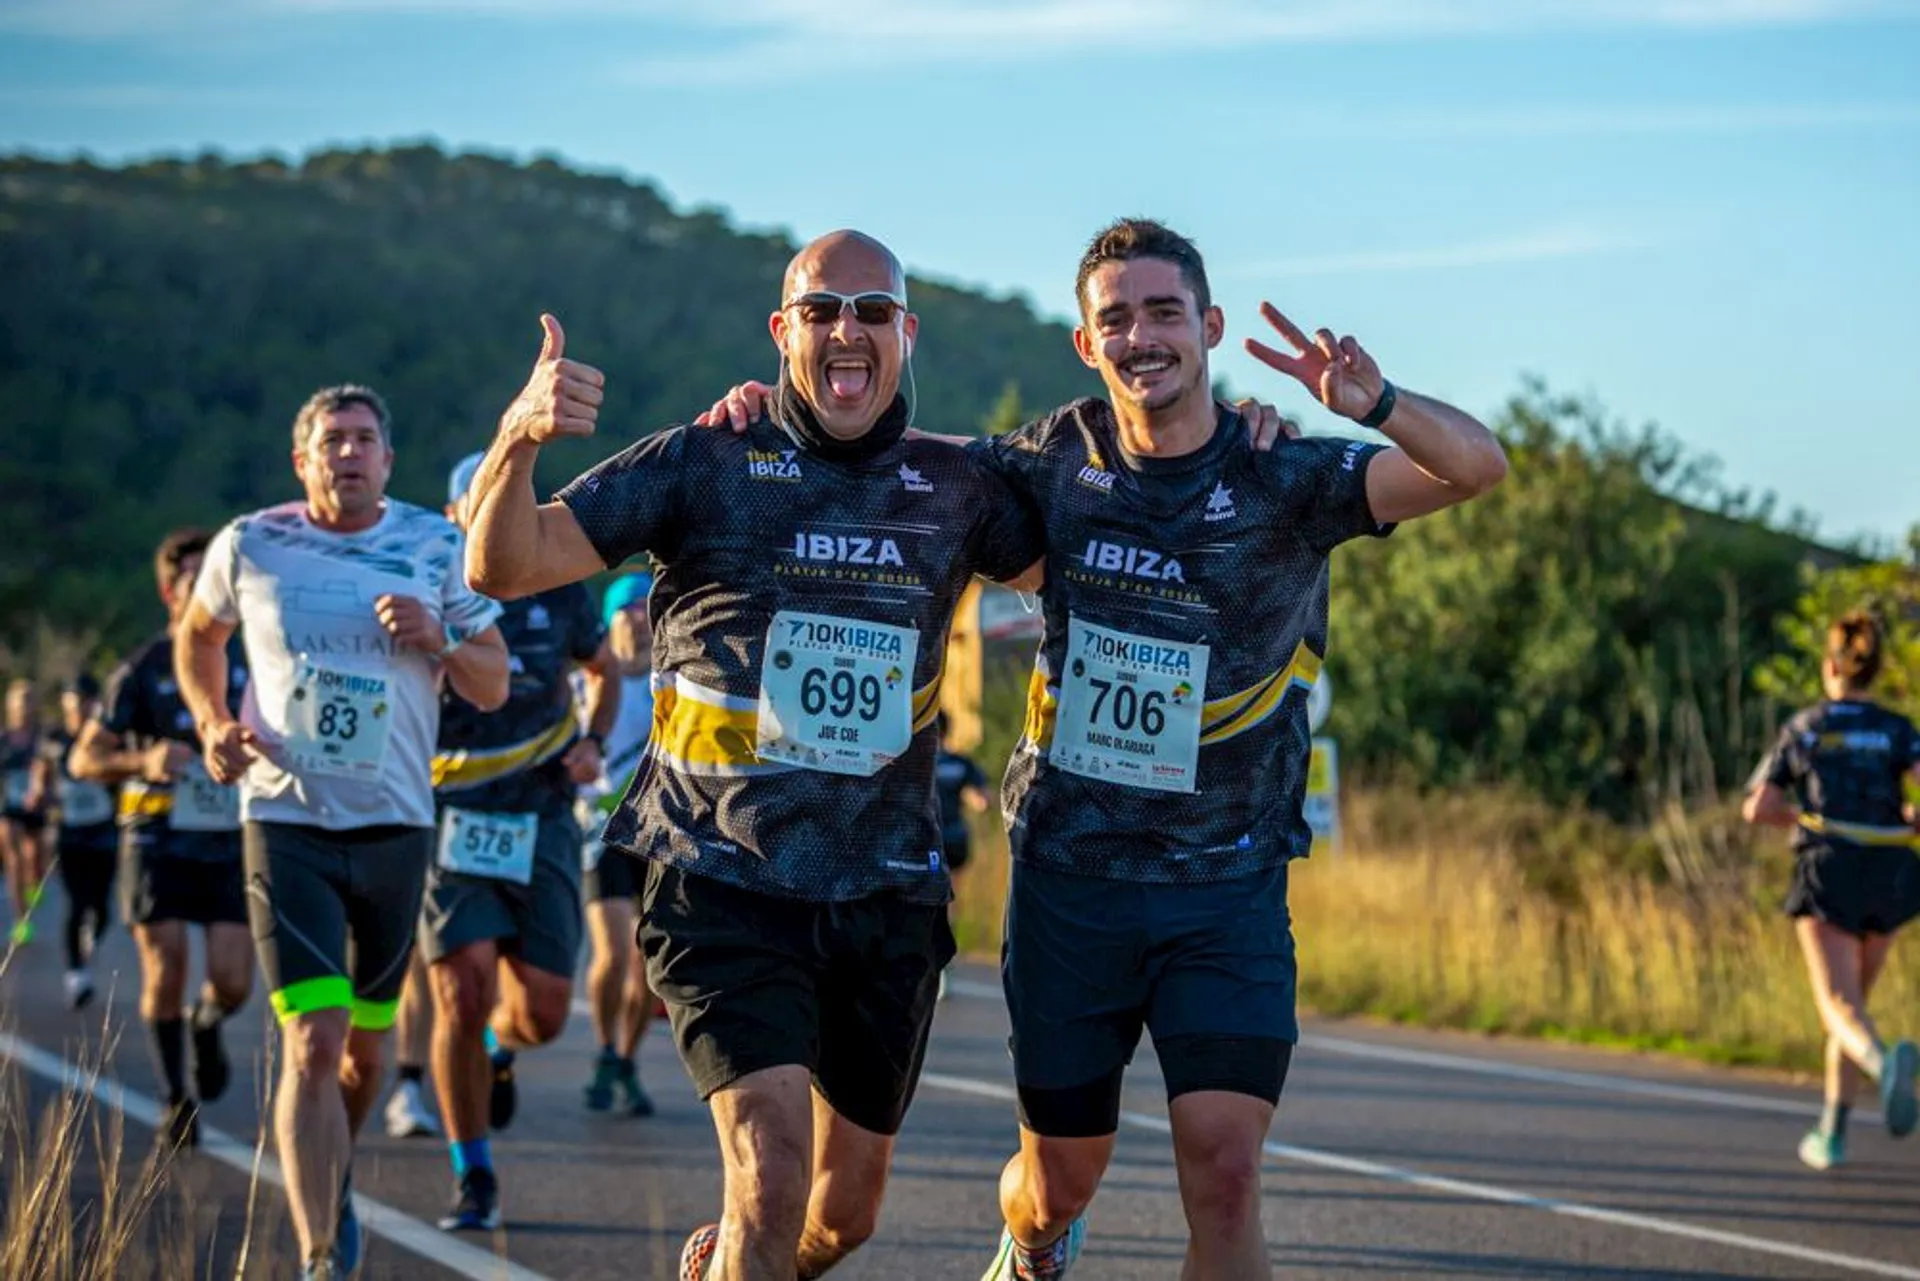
column 412, row 1072
column 75, row 936
column 170, row 1055
column 1833, row 1120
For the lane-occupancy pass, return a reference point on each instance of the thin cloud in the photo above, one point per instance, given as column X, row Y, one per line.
column 1546, row 244
column 985, row 29
column 1599, row 121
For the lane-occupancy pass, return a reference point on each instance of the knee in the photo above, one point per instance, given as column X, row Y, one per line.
column 1220, row 1180
column 547, row 1010
column 316, row 1047
column 847, row 1223
column 364, row 1057
column 462, row 995
column 769, row 1160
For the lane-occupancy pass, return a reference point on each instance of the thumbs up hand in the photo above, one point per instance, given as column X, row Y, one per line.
column 562, row 397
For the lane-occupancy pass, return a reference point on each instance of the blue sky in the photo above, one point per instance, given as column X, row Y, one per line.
column 1706, row 213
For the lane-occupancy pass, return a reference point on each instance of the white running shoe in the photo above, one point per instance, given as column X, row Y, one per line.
column 79, row 988
column 407, row 1115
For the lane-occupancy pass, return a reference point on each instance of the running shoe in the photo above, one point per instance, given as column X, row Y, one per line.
column 1058, row 1258
column 633, row 1096
column 1823, row 1151
column 1897, row 1100
column 606, row 1075
column 476, row 1203
column 321, row 1269
column 78, row 985
column 505, row 1097
column 698, row 1252
column 211, row 1071
column 180, row 1128
column 407, row 1115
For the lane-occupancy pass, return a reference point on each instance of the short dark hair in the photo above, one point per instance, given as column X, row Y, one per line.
column 1853, row 647
column 330, row 400
column 1131, row 238
column 189, row 540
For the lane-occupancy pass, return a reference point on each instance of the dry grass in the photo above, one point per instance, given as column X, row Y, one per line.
column 1488, row 912
column 71, row 1208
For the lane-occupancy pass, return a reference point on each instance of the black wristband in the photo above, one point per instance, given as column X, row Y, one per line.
column 1382, row 408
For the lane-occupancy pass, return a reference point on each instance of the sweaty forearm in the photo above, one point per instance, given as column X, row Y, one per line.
column 503, row 527
column 1448, row 444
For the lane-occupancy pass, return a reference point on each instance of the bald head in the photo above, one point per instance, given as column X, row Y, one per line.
column 845, row 256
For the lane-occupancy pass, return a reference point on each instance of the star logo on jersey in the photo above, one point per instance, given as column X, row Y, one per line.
column 1220, row 503
column 913, row 482
column 538, row 619
column 774, row 464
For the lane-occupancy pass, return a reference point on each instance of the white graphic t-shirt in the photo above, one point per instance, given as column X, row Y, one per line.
column 348, row 715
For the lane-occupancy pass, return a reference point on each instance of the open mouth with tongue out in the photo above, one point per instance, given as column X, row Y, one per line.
column 849, row 377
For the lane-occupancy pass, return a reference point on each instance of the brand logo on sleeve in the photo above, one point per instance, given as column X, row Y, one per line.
column 774, row 464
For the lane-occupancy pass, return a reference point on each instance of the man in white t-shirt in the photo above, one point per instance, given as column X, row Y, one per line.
column 353, row 608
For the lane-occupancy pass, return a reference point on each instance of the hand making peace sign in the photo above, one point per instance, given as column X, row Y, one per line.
column 1338, row 371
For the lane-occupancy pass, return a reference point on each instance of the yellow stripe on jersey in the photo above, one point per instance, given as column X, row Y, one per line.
column 1222, row 719
column 455, row 771
column 697, row 730
column 1235, row 714
column 1042, row 706
column 1861, row 833
column 140, row 801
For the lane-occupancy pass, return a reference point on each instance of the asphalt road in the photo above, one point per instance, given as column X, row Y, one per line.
column 1394, row 1154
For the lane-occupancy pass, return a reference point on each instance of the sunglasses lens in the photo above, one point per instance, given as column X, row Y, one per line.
column 818, row 309
column 874, row 309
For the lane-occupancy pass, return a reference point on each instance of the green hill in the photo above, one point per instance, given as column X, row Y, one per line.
column 160, row 323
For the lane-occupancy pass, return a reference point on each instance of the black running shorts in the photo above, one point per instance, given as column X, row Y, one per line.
column 846, row 990
column 334, row 915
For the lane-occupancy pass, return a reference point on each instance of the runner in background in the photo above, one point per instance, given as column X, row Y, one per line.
column 1835, row 779
column 23, row 821
column 86, row 846
column 622, row 1004
column 354, row 613
column 500, row 926
column 962, row 785
column 179, row 855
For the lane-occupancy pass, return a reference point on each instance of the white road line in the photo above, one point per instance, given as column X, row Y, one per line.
column 1487, row 1191
column 1595, row 1081
column 380, row 1218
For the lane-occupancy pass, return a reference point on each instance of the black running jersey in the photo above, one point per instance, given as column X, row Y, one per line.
column 800, row 613
column 509, row 761
column 1185, row 613
column 1845, row 762
column 143, row 707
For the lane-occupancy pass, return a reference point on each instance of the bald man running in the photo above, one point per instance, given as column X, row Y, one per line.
column 795, row 886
